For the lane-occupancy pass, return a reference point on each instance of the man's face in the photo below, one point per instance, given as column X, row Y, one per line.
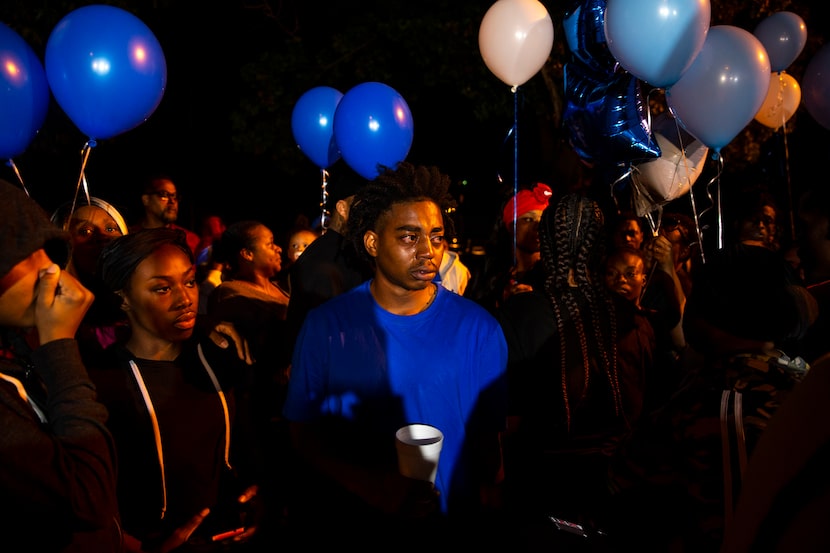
column 759, row 229
column 163, row 202
column 527, row 231
column 408, row 245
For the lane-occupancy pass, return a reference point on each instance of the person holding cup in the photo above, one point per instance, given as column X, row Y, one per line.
column 396, row 350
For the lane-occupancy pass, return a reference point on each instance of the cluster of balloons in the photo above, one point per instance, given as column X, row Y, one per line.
column 103, row 65
column 605, row 114
column 370, row 127
column 716, row 79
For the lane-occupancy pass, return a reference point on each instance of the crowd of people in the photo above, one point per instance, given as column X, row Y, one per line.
column 600, row 383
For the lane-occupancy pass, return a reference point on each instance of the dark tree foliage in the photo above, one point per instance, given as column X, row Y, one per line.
column 236, row 69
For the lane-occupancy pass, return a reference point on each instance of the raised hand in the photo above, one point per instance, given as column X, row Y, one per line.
column 60, row 304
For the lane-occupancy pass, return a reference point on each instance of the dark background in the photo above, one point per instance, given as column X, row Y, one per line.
column 236, row 69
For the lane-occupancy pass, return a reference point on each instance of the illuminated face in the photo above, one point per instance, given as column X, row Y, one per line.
column 18, row 290
column 163, row 202
column 263, row 252
column 90, row 228
column 760, row 228
column 162, row 297
column 407, row 244
column 625, row 275
column 628, row 234
column 298, row 243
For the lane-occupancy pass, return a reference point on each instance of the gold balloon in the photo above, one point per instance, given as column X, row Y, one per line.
column 781, row 103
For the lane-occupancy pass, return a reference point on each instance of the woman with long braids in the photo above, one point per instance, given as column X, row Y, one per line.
column 576, row 370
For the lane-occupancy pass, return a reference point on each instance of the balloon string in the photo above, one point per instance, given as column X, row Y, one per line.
column 82, row 177
column 655, row 230
column 324, row 199
column 683, row 158
column 618, row 180
column 720, row 201
column 11, row 164
column 696, row 219
column 789, row 182
column 515, row 91
column 693, row 205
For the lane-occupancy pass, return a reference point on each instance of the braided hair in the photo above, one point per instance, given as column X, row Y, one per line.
column 406, row 183
column 572, row 248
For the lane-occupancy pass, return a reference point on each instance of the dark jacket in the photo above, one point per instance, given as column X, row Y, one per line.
column 58, row 477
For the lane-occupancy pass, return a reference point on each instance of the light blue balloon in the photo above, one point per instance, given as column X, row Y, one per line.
column 656, row 40
column 724, row 88
column 106, row 70
column 24, row 94
column 373, row 128
column 784, row 35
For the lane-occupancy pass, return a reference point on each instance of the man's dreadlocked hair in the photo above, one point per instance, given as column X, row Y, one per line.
column 572, row 248
column 406, row 183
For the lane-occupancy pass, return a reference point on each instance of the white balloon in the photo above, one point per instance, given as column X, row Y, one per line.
column 515, row 39
column 670, row 176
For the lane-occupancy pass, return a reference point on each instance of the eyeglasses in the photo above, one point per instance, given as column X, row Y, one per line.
column 167, row 196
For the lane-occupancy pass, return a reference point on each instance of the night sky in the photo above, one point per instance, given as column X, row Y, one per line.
column 190, row 134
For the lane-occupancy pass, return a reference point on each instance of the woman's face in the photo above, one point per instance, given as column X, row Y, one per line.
column 163, row 297
column 266, row 254
column 628, row 234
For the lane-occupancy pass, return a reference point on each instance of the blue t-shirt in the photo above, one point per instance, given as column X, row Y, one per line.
column 370, row 372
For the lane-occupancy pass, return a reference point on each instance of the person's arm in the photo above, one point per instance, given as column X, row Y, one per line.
column 65, row 469
column 66, row 472
column 662, row 256
column 386, row 490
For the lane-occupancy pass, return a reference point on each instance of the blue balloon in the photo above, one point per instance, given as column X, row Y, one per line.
column 312, row 123
column 656, row 40
column 24, row 94
column 605, row 117
column 784, row 35
column 373, row 128
column 106, row 70
column 724, row 88
column 585, row 35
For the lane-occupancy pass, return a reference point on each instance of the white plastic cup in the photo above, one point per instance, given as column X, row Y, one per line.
column 419, row 448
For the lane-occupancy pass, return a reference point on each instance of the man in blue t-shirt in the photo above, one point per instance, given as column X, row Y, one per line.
column 395, row 350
